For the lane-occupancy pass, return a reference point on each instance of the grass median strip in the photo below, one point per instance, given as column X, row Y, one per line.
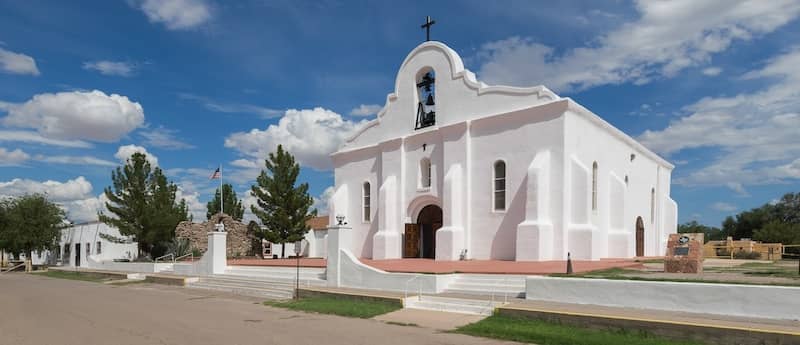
column 73, row 276
column 343, row 307
column 547, row 333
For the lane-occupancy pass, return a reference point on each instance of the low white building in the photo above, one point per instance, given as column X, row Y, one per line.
column 95, row 239
column 453, row 168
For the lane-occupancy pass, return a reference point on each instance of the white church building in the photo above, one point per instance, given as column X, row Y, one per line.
column 454, row 169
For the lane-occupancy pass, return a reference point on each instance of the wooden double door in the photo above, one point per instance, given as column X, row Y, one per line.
column 419, row 240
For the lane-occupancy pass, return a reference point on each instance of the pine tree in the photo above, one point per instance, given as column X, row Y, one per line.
column 144, row 203
column 282, row 207
column 233, row 206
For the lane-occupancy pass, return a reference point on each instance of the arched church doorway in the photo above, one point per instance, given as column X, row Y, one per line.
column 420, row 238
column 639, row 236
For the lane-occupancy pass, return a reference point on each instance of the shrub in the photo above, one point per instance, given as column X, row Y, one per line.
column 746, row 255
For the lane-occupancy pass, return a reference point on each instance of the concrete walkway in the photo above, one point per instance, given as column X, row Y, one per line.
column 438, row 320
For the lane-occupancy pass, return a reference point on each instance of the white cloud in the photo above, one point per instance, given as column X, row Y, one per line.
column 321, row 202
column 76, row 160
column 196, row 208
column 712, row 71
column 164, row 138
column 85, row 210
column 723, row 207
column 36, row 138
column 244, row 163
column 309, row 134
column 249, row 200
column 56, row 191
column 667, row 38
column 112, row 68
column 126, row 151
column 233, row 108
column 76, row 115
column 17, row 63
column 12, row 158
column 755, row 132
column 738, row 188
column 176, row 14
column 366, row 110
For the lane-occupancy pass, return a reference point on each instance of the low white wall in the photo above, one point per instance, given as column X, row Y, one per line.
column 139, row 267
column 771, row 302
column 355, row 274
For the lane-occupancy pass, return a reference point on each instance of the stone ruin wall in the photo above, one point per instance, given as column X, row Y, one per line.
column 239, row 241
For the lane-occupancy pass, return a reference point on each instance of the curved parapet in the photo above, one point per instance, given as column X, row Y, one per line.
column 459, row 96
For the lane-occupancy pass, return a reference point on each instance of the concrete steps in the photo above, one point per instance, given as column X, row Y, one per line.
column 512, row 286
column 308, row 275
column 255, row 287
column 452, row 305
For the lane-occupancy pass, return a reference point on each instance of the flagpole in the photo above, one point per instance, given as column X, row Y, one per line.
column 221, row 208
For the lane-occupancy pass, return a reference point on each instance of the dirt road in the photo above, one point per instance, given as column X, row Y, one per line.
column 38, row 310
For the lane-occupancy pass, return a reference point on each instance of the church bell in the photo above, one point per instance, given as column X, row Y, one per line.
column 429, row 101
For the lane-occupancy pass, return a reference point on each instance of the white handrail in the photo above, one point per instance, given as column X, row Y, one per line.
column 164, row 256
column 419, row 287
column 183, row 256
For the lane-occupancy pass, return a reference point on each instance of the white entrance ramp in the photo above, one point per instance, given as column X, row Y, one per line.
column 452, row 305
column 500, row 285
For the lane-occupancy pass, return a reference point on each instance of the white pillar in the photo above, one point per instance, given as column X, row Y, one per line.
column 450, row 238
column 338, row 240
column 386, row 241
column 535, row 233
column 217, row 249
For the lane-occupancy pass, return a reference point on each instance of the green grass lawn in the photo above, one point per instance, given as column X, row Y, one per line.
column 343, row 307
column 546, row 333
column 72, row 276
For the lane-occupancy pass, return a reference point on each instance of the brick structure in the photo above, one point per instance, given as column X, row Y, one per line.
column 684, row 254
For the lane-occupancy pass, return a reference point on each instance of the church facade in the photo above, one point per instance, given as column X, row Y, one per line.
column 455, row 169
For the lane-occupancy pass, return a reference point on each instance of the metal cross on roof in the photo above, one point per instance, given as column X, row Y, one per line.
column 427, row 27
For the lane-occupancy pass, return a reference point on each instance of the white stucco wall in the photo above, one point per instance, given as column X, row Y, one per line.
column 770, row 302
column 588, row 141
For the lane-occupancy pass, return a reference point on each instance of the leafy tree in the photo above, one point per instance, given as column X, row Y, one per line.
column 778, row 232
column 144, row 205
column 772, row 222
column 4, row 222
column 282, row 207
column 32, row 224
column 710, row 233
column 233, row 206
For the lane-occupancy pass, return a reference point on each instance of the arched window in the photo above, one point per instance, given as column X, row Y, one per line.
column 425, row 173
column 652, row 205
column 499, row 186
column 366, row 202
column 426, row 107
column 594, row 186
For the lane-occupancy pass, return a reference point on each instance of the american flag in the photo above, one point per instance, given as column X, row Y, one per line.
column 216, row 175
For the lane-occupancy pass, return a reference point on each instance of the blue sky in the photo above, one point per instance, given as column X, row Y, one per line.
column 712, row 86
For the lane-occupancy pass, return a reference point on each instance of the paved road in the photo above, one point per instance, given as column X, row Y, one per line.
column 38, row 310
